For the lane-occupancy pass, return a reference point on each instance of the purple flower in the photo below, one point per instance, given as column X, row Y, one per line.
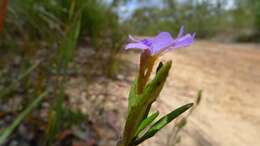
column 161, row 43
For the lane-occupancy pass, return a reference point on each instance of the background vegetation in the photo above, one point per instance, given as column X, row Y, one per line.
column 237, row 20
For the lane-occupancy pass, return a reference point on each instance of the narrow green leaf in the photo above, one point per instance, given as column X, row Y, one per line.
column 15, row 83
column 147, row 121
column 162, row 123
column 132, row 95
column 68, row 44
column 28, row 71
column 159, row 67
column 153, row 88
column 66, row 52
column 6, row 132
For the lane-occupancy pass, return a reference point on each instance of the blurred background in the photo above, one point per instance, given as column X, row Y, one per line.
column 64, row 76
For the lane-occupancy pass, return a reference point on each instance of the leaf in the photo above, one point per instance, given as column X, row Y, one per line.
column 66, row 52
column 150, row 105
column 15, row 83
column 153, row 88
column 21, row 116
column 147, row 121
column 132, row 95
column 137, row 112
column 162, row 123
column 68, row 44
column 159, row 67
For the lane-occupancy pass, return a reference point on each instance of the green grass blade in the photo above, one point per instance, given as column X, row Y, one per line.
column 68, row 44
column 28, row 71
column 19, row 119
column 15, row 83
column 65, row 56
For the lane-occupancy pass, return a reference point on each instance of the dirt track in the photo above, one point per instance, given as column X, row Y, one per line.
column 229, row 113
column 229, row 74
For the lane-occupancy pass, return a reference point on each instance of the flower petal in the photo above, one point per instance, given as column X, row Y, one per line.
column 181, row 32
column 139, row 46
column 161, row 41
column 147, row 42
column 133, row 39
column 184, row 41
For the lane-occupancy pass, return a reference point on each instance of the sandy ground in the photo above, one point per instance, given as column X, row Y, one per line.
column 228, row 74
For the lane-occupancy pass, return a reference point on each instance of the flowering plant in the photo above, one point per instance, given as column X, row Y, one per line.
column 140, row 123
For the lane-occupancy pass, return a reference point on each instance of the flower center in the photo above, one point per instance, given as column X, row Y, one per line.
column 147, row 42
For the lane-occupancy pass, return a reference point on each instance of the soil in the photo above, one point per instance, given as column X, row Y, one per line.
column 229, row 75
column 229, row 112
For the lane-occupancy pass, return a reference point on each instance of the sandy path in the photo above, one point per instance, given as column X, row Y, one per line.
column 229, row 74
column 229, row 113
